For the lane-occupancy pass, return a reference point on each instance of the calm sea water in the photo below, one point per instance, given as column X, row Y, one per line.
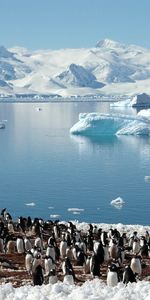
column 41, row 162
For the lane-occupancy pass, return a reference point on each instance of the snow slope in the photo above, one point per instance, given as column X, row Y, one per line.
column 109, row 68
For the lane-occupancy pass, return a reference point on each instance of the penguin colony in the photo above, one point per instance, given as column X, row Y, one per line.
column 42, row 252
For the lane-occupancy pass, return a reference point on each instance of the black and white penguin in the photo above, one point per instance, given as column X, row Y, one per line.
column 128, row 275
column 37, row 260
column 136, row 246
column 10, row 226
column 38, row 243
column 20, row 245
column 113, row 250
column 104, row 238
column 136, row 265
column 100, row 253
column 90, row 243
column 37, row 275
column 27, row 244
column 81, row 258
column 95, row 265
column 50, row 252
column 1, row 245
column 63, row 248
column 87, row 265
column 29, row 261
column 49, row 264
column 69, row 275
column 112, row 276
column 69, row 253
column 10, row 246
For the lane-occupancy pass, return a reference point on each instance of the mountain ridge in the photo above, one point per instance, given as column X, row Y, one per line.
column 108, row 68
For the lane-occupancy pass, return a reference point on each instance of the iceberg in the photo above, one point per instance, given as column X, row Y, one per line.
column 140, row 100
column 99, row 124
column 118, row 202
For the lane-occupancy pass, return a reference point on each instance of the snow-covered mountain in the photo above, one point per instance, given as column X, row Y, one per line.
column 109, row 68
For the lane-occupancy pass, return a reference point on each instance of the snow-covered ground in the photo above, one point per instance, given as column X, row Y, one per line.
column 90, row 290
column 109, row 69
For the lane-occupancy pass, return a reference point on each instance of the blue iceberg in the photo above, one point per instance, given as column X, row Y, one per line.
column 98, row 124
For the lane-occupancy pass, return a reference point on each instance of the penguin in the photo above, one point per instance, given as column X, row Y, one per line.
column 106, row 252
column 10, row 226
column 20, row 245
column 95, row 230
column 80, row 257
column 1, row 245
column 28, row 261
column 69, row 275
column 112, row 276
column 104, row 237
column 10, row 246
column 90, row 243
column 29, row 223
column 121, row 255
column 95, row 246
column 56, row 231
column 63, row 248
column 77, row 236
column 100, row 253
column 37, row 275
column 27, row 244
column 67, row 267
column 95, row 266
column 128, row 275
column 69, row 253
column 49, row 265
column 87, row 264
column 74, row 252
column 113, row 250
column 36, row 261
column 136, row 265
column 136, row 246
column 38, row 243
column 83, row 246
column 144, row 250
column 50, row 251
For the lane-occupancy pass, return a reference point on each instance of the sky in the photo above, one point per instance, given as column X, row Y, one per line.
column 55, row 24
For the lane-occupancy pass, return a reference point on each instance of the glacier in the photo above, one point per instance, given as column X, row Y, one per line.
column 100, row 124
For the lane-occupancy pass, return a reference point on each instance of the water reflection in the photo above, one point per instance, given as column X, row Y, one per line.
column 90, row 143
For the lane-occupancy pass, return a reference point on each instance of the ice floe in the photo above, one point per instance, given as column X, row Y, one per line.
column 75, row 209
column 30, row 204
column 118, row 202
